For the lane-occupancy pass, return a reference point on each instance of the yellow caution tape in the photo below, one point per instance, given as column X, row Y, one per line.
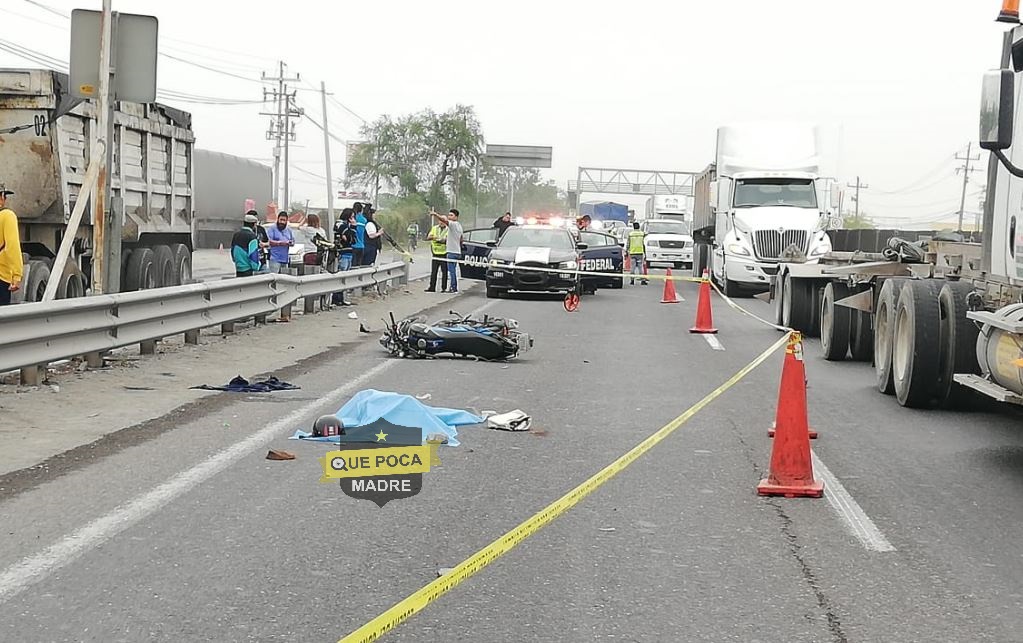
column 418, row 600
column 513, row 267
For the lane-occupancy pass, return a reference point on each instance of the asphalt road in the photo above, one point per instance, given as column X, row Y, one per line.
column 195, row 536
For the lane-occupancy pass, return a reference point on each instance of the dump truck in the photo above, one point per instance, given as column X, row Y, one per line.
column 939, row 317
column 47, row 136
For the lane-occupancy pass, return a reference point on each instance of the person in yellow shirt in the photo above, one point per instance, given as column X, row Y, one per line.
column 11, row 264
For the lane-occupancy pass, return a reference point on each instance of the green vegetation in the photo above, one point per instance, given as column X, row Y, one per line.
column 431, row 159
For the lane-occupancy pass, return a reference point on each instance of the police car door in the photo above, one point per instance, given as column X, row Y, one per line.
column 476, row 252
column 602, row 254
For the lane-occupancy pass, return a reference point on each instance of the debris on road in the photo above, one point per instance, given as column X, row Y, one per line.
column 363, row 329
column 371, row 405
column 274, row 454
column 512, row 421
column 444, row 570
column 241, row 385
column 424, row 396
column 606, row 529
column 134, row 388
column 353, row 315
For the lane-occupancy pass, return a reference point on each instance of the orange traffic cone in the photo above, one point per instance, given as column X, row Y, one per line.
column 791, row 473
column 704, row 318
column 670, row 296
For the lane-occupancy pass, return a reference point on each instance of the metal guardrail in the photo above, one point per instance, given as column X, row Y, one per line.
column 35, row 334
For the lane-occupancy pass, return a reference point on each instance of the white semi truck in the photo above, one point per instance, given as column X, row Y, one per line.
column 942, row 319
column 46, row 136
column 765, row 199
column 668, row 206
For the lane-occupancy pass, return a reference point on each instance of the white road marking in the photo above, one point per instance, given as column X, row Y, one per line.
column 858, row 522
column 714, row 342
column 35, row 568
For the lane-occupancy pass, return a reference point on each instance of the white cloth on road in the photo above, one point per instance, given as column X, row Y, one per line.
column 512, row 421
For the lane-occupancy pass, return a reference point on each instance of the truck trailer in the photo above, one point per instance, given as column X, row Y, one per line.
column 939, row 318
column 47, row 136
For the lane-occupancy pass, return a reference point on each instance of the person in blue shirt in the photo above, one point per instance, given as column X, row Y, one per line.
column 281, row 239
column 245, row 248
column 359, row 247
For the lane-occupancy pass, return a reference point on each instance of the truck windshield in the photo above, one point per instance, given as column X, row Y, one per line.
column 517, row 237
column 667, row 227
column 795, row 193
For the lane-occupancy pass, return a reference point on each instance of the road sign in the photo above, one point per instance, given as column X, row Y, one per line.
column 134, row 58
column 519, row 155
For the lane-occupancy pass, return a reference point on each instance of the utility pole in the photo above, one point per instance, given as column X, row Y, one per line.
column 326, row 154
column 105, row 126
column 965, row 169
column 856, row 198
column 280, row 128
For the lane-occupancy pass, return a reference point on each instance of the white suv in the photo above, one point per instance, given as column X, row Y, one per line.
column 668, row 241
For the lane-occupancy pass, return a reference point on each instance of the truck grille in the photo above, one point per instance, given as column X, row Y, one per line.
column 672, row 243
column 771, row 243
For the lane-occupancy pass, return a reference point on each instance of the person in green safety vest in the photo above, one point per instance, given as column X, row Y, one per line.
column 413, row 235
column 636, row 253
column 438, row 239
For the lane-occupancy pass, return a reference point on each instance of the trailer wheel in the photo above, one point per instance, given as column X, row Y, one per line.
column 861, row 337
column 182, row 264
column 125, row 260
column 797, row 304
column 163, row 266
column 958, row 352
column 916, row 345
column 779, row 309
column 884, row 325
column 834, row 323
column 38, row 277
column 71, row 284
column 816, row 297
column 140, row 273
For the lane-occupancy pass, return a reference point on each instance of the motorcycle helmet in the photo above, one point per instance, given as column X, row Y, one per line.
column 327, row 426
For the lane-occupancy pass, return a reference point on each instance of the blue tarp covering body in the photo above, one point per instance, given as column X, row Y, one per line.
column 370, row 405
column 606, row 211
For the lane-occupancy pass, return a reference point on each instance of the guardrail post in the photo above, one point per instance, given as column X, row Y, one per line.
column 259, row 319
column 94, row 360
column 192, row 337
column 227, row 328
column 286, row 312
column 406, row 278
column 30, row 375
column 309, row 304
column 147, row 347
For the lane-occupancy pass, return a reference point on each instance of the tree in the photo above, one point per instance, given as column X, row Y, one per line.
column 418, row 154
column 857, row 222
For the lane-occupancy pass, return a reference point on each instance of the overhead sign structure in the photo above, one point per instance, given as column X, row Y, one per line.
column 133, row 54
column 519, row 155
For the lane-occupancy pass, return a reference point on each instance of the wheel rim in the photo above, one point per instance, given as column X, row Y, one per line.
column 900, row 348
column 826, row 322
column 881, row 340
column 786, row 302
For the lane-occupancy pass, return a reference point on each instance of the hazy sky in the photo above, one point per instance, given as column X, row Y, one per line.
column 638, row 84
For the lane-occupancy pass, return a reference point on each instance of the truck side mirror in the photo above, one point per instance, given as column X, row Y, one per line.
column 996, row 106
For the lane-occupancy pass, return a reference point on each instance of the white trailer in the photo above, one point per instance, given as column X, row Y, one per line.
column 47, row 136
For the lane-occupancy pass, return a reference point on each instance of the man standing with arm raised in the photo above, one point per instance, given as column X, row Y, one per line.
column 454, row 244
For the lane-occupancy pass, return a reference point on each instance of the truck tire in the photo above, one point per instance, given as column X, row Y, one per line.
column 71, row 284
column 125, row 260
column 163, row 266
column 38, row 277
column 797, row 304
column 958, row 351
column 732, row 289
column 700, row 252
column 884, row 325
column 182, row 264
column 835, row 322
column 916, row 346
column 816, row 295
column 779, row 289
column 861, row 337
column 140, row 273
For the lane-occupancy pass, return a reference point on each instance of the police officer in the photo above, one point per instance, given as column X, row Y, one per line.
column 636, row 253
column 438, row 239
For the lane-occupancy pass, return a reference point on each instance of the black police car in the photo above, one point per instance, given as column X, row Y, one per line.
column 551, row 248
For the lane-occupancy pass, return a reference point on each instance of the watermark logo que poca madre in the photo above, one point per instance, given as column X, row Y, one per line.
column 380, row 461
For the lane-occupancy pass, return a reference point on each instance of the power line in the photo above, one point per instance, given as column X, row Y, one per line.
column 212, row 69
column 48, row 8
